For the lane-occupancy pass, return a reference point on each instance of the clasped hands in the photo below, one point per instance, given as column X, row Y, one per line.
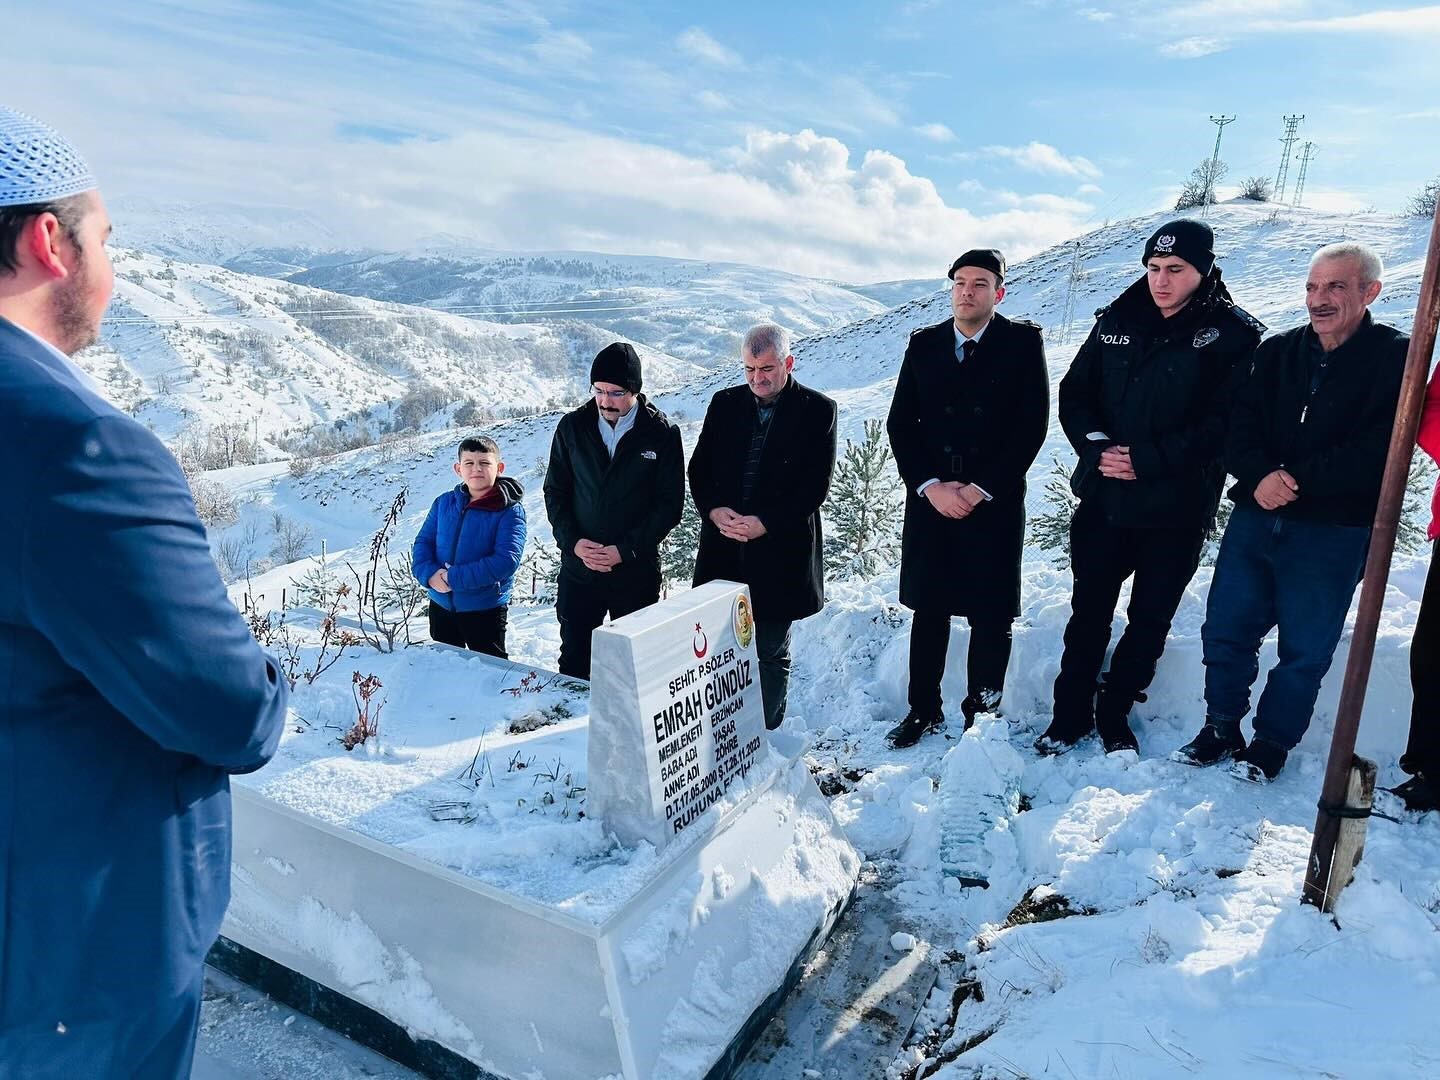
column 602, row 558
column 1115, row 463
column 733, row 526
column 952, row 499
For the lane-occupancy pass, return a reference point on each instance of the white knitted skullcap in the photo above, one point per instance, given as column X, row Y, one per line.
column 36, row 163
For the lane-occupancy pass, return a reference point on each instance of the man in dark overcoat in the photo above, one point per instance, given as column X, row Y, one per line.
column 970, row 412
column 759, row 473
column 614, row 489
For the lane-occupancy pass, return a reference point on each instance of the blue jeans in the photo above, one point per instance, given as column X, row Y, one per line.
column 1299, row 576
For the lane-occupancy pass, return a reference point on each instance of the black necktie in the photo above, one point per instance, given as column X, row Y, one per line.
column 968, row 347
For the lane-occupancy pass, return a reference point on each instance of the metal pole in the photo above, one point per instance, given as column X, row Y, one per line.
column 1214, row 166
column 1377, row 570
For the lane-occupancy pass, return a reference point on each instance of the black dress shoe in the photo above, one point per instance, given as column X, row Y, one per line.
column 1117, row 736
column 1063, row 733
column 1112, row 720
column 976, row 702
column 1215, row 743
column 916, row 724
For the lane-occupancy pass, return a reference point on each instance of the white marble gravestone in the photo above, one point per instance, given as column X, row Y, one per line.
column 675, row 711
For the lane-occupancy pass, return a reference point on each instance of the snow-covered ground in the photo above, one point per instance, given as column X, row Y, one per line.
column 1183, row 949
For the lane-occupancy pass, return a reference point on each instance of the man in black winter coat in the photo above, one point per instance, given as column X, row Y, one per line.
column 1307, row 445
column 971, row 407
column 760, row 471
column 614, row 489
column 1144, row 404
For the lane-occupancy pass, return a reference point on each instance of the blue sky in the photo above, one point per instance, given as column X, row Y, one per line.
column 844, row 140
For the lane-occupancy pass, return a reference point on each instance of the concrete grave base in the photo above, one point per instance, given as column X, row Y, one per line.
column 677, row 982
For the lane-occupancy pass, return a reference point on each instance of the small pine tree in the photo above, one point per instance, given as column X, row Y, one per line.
column 1411, row 530
column 1211, row 551
column 677, row 552
column 1050, row 529
column 864, row 509
column 538, row 579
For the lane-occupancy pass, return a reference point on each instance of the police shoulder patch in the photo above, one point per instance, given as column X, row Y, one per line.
column 1247, row 319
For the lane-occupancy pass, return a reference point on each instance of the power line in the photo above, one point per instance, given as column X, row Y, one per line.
column 1288, row 139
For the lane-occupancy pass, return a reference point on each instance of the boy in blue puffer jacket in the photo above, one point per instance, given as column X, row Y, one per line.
column 468, row 550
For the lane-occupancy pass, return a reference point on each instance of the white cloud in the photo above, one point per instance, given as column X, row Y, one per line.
column 559, row 47
column 696, row 43
column 1192, row 48
column 1042, row 158
column 797, row 201
column 1420, row 20
column 938, row 132
column 1096, row 15
column 1089, row 189
column 714, row 101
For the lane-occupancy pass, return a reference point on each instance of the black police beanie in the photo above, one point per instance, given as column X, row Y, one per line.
column 617, row 363
column 985, row 258
column 1185, row 238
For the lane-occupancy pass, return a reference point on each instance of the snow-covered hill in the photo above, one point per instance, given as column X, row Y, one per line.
column 187, row 344
column 693, row 310
column 690, row 309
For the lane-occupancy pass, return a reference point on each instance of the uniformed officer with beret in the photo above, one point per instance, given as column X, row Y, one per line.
column 970, row 412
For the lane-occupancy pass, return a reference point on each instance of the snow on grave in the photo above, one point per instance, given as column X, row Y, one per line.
column 465, row 898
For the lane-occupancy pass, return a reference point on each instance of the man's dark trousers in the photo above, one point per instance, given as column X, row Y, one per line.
column 986, row 662
column 772, row 648
column 1274, row 571
column 1102, row 557
column 1423, row 752
column 478, row 631
column 581, row 606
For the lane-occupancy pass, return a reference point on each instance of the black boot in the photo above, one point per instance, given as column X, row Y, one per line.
column 1420, row 794
column 1071, row 719
column 1065, row 730
column 979, row 701
column 1260, row 762
column 1218, row 740
column 1112, row 719
column 917, row 722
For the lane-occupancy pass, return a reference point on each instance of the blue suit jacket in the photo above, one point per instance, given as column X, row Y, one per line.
column 129, row 688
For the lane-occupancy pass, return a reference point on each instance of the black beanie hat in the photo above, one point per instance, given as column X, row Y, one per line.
column 985, row 258
column 1185, row 238
column 617, row 363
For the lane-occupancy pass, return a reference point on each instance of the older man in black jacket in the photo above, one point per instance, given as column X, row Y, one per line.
column 970, row 411
column 1144, row 404
column 760, row 471
column 614, row 490
column 1307, row 444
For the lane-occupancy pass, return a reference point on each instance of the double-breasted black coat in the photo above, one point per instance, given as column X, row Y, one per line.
column 785, row 567
column 982, row 421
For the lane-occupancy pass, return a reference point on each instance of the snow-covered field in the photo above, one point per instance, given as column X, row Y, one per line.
column 1183, row 948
